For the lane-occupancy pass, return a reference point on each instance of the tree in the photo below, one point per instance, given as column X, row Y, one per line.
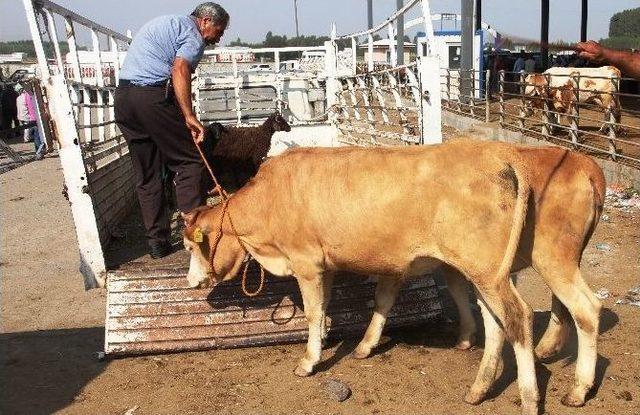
column 624, row 30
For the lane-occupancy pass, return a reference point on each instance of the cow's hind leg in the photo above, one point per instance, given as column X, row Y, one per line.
column 557, row 331
column 459, row 289
column 516, row 318
column 386, row 292
column 567, row 284
column 491, row 358
column 313, row 288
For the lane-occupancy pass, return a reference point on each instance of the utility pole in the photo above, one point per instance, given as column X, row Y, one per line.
column 295, row 10
column 544, row 33
column 466, row 55
column 400, row 35
column 369, row 14
column 583, row 21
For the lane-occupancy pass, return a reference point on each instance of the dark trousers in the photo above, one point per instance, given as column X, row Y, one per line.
column 154, row 128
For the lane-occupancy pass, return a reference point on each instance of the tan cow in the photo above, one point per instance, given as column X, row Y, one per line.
column 595, row 85
column 401, row 212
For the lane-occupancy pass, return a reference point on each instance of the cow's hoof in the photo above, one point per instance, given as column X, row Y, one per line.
column 302, row 372
column 465, row 344
column 474, row 398
column 359, row 354
column 572, row 401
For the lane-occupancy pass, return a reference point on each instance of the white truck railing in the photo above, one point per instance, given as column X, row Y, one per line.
column 371, row 105
column 93, row 153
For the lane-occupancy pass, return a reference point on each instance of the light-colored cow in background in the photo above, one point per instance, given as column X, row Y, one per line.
column 400, row 212
column 566, row 87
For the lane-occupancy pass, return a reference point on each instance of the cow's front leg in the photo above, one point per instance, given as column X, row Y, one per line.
column 386, row 292
column 312, row 288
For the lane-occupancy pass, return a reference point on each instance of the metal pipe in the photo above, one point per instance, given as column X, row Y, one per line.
column 583, row 21
column 400, row 34
column 544, row 33
column 478, row 15
column 369, row 14
column 466, row 58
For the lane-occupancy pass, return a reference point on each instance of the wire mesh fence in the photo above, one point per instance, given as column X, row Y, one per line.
column 581, row 108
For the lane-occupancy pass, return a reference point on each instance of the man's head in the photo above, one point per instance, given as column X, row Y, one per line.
column 212, row 21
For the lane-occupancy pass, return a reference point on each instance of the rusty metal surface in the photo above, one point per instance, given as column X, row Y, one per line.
column 151, row 309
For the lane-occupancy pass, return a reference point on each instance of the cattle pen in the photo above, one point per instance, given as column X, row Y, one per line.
column 333, row 98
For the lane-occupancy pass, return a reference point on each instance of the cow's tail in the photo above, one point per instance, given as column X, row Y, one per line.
column 599, row 188
column 521, row 184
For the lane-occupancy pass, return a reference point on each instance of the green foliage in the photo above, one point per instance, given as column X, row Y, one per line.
column 625, row 23
column 279, row 41
column 621, row 42
column 27, row 47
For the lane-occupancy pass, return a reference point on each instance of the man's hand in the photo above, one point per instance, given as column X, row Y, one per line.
column 195, row 127
column 591, row 50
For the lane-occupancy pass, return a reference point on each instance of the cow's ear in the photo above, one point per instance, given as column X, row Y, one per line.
column 190, row 218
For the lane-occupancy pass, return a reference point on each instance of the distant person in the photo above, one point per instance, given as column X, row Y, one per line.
column 627, row 62
column 153, row 109
column 27, row 116
column 530, row 65
column 9, row 109
column 518, row 65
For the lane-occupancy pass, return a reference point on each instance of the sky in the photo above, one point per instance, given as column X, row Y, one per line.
column 252, row 19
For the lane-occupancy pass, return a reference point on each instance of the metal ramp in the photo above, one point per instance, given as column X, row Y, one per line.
column 152, row 310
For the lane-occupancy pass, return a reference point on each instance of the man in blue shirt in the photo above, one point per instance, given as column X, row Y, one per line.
column 153, row 109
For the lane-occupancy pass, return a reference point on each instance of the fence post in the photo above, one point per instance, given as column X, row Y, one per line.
column 472, row 100
column 431, row 103
column 501, row 95
column 546, row 115
column 523, row 101
column 613, row 116
column 487, row 96
column 574, row 109
column 330, row 67
column 448, row 87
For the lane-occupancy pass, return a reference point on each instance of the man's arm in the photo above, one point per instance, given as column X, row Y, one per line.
column 181, row 79
column 627, row 62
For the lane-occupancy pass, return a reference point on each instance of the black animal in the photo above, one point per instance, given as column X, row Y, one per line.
column 235, row 153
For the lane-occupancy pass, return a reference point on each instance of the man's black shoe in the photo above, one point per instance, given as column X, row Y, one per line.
column 160, row 249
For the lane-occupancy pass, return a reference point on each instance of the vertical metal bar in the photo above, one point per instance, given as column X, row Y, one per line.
column 354, row 57
column 613, row 119
column 523, row 101
column 501, row 95
column 547, row 128
column 544, row 33
column 574, row 109
column 448, row 87
column 369, row 14
column 113, row 46
column 466, row 55
column 86, row 114
column 478, row 16
column 400, row 34
column 472, row 101
column 428, row 26
column 487, row 95
column 37, row 40
column 370, row 52
column 393, row 58
column 53, row 36
column 430, row 102
column 71, row 41
column 583, row 20
column 276, row 60
column 99, row 83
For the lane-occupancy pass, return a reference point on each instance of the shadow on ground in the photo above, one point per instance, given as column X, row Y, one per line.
column 45, row 371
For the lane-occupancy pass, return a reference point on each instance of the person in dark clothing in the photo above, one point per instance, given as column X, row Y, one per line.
column 153, row 109
column 9, row 108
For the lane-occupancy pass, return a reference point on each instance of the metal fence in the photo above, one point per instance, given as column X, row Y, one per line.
column 584, row 112
column 394, row 104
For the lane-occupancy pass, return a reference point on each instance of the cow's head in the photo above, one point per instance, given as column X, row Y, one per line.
column 206, row 235
column 278, row 123
column 535, row 92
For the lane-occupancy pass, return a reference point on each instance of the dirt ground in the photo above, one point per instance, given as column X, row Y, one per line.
column 51, row 329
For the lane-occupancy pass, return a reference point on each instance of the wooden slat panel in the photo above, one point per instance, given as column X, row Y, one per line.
column 153, row 310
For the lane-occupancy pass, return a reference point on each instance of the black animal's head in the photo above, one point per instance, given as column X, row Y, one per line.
column 278, row 123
